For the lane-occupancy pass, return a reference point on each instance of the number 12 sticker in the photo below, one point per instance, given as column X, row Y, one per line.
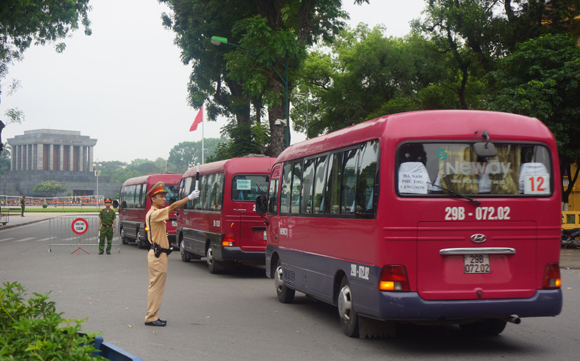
column 537, row 184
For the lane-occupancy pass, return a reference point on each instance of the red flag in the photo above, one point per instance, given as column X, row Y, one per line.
column 198, row 119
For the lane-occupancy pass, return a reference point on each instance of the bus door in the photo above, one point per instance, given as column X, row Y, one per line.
column 250, row 228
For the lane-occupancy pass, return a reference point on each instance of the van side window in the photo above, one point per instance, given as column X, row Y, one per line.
column 319, row 179
column 348, row 181
column 296, row 187
column 307, row 184
column 285, row 192
column 217, row 192
column 366, row 177
column 188, row 188
column 333, row 182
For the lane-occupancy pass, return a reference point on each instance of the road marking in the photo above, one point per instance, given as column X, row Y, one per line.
column 42, row 240
column 24, row 239
column 6, row 239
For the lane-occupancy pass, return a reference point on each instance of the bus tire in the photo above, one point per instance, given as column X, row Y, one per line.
column 487, row 327
column 213, row 266
column 285, row 294
column 184, row 254
column 348, row 317
column 123, row 237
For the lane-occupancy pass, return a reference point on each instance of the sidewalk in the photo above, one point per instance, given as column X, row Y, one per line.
column 569, row 258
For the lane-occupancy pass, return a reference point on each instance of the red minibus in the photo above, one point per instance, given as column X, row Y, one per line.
column 222, row 224
column 134, row 205
column 429, row 217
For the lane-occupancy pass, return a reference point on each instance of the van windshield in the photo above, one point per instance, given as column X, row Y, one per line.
column 246, row 188
column 429, row 169
column 171, row 191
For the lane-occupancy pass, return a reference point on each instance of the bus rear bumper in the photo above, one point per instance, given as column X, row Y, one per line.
column 237, row 254
column 410, row 306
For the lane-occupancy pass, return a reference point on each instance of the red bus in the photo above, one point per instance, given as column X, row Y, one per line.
column 431, row 216
column 134, row 205
column 222, row 224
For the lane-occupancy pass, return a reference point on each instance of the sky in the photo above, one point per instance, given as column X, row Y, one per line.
column 126, row 86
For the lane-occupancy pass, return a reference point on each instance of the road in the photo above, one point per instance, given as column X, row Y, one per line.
column 238, row 317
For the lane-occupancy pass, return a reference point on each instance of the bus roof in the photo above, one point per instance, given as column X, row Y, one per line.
column 425, row 125
column 248, row 165
column 154, row 178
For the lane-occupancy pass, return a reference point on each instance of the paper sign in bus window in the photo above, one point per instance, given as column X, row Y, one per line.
column 244, row 185
column 536, row 183
column 413, row 178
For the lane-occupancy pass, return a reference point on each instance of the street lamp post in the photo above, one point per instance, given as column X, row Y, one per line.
column 217, row 40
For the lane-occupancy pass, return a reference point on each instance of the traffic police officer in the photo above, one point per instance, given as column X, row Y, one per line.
column 155, row 220
column 106, row 226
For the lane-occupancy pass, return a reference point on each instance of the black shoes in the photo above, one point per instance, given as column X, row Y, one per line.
column 156, row 323
column 100, row 253
column 108, row 252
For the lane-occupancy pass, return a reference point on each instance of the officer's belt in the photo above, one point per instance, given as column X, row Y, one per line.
column 108, row 226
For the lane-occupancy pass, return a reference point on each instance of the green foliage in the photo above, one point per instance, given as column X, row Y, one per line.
column 257, row 137
column 31, row 329
column 32, row 22
column 542, row 79
column 49, row 188
column 185, row 153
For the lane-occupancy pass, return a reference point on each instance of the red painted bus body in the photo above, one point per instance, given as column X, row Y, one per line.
column 134, row 205
column 405, row 217
column 222, row 224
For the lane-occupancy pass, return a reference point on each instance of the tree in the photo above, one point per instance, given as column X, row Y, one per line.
column 185, row 153
column 276, row 31
column 49, row 188
column 4, row 158
column 542, row 79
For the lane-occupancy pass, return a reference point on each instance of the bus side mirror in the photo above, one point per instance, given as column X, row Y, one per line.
column 115, row 204
column 261, row 204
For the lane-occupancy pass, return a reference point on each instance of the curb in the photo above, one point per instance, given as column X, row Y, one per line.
column 23, row 224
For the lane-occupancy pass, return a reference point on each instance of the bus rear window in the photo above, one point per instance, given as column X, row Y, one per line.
column 431, row 169
column 246, row 188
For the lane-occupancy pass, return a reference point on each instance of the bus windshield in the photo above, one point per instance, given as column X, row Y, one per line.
column 246, row 188
column 432, row 169
column 171, row 191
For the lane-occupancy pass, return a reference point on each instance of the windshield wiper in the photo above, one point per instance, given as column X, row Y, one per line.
column 457, row 194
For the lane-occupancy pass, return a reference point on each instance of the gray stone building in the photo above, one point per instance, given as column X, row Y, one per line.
column 49, row 154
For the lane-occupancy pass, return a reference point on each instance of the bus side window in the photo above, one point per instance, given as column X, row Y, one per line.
column 307, row 186
column 348, row 181
column 296, row 187
column 285, row 192
column 319, row 178
column 187, row 188
column 219, row 192
column 273, row 197
column 366, row 173
column 333, row 183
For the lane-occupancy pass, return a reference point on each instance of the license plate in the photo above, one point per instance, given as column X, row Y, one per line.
column 476, row 263
column 174, row 223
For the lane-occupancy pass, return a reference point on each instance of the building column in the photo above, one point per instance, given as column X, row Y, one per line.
column 39, row 156
column 70, row 158
column 80, row 159
column 90, row 159
column 61, row 157
column 21, row 156
column 50, row 156
column 27, row 157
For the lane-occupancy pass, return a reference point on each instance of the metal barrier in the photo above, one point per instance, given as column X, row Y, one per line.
column 80, row 233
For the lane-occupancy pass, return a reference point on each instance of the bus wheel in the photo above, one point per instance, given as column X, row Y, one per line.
column 348, row 316
column 184, row 254
column 213, row 265
column 123, row 238
column 487, row 327
column 285, row 294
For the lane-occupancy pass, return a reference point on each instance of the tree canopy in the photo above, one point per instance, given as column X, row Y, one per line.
column 49, row 188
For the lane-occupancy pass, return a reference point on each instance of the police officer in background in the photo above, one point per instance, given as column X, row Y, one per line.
column 106, row 226
column 155, row 220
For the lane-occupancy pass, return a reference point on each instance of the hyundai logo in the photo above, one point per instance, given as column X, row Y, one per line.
column 478, row 238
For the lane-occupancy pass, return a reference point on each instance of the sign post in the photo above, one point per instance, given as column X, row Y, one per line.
column 80, row 226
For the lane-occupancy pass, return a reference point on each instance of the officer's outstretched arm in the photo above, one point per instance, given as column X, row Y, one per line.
column 178, row 204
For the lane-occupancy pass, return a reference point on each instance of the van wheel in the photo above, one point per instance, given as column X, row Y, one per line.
column 184, row 254
column 139, row 241
column 487, row 327
column 348, row 316
column 285, row 294
column 213, row 265
column 123, row 238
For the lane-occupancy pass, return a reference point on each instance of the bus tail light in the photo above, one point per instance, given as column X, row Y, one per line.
column 229, row 240
column 394, row 278
column 552, row 276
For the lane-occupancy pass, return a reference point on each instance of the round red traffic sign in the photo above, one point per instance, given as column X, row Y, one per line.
column 80, row 226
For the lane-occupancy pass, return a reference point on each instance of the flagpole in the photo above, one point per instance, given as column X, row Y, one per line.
column 202, row 137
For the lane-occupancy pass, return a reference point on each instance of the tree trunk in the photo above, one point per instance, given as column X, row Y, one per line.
column 275, row 112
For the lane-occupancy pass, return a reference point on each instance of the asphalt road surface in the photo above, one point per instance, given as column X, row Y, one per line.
column 238, row 317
